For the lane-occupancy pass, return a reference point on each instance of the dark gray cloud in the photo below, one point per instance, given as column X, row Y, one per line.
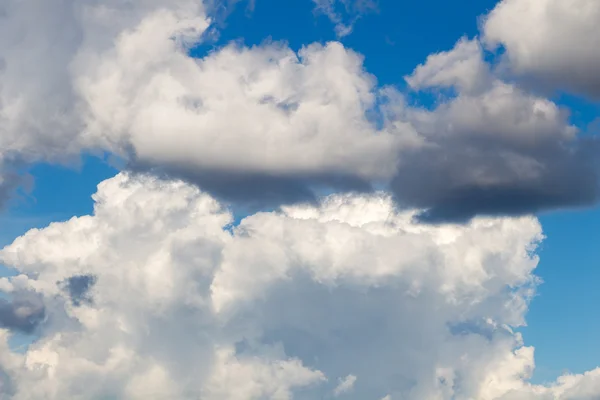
column 255, row 192
column 24, row 312
column 475, row 327
column 491, row 147
column 460, row 179
column 78, row 288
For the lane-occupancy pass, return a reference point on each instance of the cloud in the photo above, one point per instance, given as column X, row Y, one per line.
column 267, row 125
column 344, row 13
column 346, row 385
column 23, row 313
column 278, row 307
column 121, row 81
column 299, row 121
column 550, row 41
column 491, row 148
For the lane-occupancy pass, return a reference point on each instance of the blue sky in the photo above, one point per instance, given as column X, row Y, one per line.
column 563, row 322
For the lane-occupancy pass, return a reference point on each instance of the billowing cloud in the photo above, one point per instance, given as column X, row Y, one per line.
column 491, row 148
column 553, row 42
column 119, row 79
column 184, row 306
column 267, row 125
column 264, row 115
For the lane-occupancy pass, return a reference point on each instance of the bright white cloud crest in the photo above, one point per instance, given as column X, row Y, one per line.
column 284, row 305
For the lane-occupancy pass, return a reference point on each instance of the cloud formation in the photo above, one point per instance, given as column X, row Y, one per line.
column 267, row 125
column 23, row 313
column 158, row 295
column 121, row 81
column 344, row 13
column 490, row 148
column 553, row 42
column 286, row 305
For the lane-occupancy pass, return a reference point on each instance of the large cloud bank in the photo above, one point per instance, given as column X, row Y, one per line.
column 271, row 125
column 159, row 295
column 155, row 296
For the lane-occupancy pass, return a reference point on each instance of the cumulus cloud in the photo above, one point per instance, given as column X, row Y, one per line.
column 119, row 79
column 158, row 295
column 40, row 108
column 262, row 115
column 183, row 305
column 491, row 147
column 267, row 125
column 554, row 42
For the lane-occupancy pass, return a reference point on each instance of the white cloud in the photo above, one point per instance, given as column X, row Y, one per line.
column 294, row 114
column 346, row 385
column 462, row 67
column 484, row 104
column 554, row 41
column 119, row 79
column 43, row 45
column 181, row 307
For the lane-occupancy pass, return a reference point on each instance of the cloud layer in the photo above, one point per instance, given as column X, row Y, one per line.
column 269, row 125
column 491, row 147
column 349, row 299
column 157, row 295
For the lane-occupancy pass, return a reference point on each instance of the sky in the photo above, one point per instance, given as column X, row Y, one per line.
column 309, row 199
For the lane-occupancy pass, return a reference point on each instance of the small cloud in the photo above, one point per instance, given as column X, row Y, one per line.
column 346, row 385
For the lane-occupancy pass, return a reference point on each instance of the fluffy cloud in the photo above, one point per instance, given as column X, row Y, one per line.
column 270, row 125
column 119, row 79
column 182, row 304
column 157, row 295
column 552, row 41
column 238, row 111
column 40, row 107
column 491, row 147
